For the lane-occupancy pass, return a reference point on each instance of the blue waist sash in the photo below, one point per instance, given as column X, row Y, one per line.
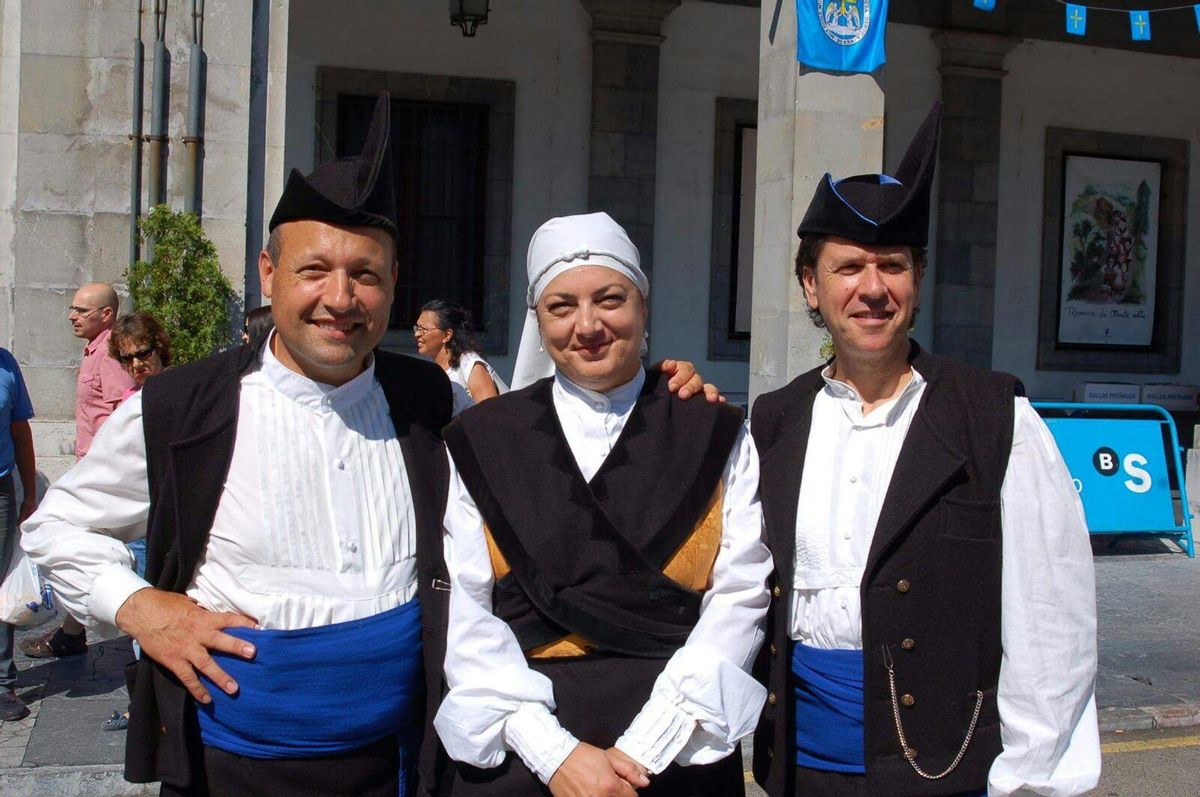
column 829, row 709
column 319, row 691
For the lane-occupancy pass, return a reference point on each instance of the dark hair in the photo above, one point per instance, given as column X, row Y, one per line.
column 140, row 327
column 457, row 319
column 810, row 252
column 258, row 322
column 274, row 245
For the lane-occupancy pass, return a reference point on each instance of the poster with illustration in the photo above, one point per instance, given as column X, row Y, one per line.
column 1109, row 251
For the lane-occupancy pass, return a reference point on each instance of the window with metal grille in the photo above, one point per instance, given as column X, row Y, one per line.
column 440, row 150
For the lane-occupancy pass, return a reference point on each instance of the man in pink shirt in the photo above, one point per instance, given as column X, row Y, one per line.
column 102, row 380
column 101, row 386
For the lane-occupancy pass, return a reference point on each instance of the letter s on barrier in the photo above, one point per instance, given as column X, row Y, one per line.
column 1141, row 481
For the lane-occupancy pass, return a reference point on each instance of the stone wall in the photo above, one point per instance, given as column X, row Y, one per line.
column 66, row 81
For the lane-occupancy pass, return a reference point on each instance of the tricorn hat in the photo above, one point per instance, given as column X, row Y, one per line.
column 357, row 191
column 878, row 208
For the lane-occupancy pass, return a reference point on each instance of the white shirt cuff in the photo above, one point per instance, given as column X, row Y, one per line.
column 657, row 734
column 534, row 734
column 110, row 589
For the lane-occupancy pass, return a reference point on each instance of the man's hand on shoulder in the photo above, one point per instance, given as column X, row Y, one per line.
column 587, row 772
column 177, row 633
column 685, row 382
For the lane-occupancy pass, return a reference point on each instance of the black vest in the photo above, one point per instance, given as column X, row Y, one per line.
column 587, row 557
column 190, row 417
column 931, row 589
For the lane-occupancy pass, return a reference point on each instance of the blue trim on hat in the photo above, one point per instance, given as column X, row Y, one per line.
column 833, row 187
column 883, row 180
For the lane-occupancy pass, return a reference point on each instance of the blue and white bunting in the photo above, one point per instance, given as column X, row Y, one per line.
column 1076, row 19
column 1139, row 25
column 1077, row 14
column 841, row 35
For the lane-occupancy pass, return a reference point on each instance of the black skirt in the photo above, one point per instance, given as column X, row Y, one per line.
column 597, row 697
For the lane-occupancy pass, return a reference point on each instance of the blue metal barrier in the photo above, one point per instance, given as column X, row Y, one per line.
column 1124, row 459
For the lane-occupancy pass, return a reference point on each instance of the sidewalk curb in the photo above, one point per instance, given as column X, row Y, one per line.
column 92, row 780
column 107, row 780
column 1176, row 715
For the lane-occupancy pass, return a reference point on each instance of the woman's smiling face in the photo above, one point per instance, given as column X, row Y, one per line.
column 593, row 321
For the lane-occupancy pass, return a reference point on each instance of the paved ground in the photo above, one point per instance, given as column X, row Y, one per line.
column 1159, row 763
column 1148, row 597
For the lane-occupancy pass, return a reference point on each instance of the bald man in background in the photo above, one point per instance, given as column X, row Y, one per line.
column 101, row 384
column 102, row 380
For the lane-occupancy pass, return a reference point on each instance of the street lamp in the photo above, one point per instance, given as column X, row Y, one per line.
column 468, row 14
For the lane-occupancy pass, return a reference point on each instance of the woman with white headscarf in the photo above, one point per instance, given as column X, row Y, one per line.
column 603, row 541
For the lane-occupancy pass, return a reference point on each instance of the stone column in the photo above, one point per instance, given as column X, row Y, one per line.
column 968, row 193
column 267, row 113
column 624, row 136
column 809, row 123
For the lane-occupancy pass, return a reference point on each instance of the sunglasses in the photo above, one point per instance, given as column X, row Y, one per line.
column 143, row 355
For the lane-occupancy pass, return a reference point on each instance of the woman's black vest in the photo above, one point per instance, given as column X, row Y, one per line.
column 190, row 419
column 587, row 557
column 930, row 591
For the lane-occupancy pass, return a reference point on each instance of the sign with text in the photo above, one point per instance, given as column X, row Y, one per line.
column 1119, row 467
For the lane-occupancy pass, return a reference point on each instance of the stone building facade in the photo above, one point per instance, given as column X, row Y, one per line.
column 682, row 118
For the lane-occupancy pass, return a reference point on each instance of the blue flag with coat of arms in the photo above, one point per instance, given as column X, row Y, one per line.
column 841, row 35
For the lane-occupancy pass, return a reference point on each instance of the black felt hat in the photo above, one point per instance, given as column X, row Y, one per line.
column 877, row 208
column 352, row 192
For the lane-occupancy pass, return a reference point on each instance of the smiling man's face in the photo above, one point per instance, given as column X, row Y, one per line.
column 331, row 296
column 866, row 295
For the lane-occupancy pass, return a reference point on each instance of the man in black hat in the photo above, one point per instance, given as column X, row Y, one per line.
column 933, row 627
column 291, row 494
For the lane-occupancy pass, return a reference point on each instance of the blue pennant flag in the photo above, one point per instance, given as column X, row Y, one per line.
column 1139, row 25
column 841, row 35
column 986, row 5
column 1076, row 19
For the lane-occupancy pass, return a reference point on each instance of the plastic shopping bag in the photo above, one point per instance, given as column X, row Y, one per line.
column 25, row 598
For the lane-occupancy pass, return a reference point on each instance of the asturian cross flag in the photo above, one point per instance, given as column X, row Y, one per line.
column 841, row 35
column 1139, row 26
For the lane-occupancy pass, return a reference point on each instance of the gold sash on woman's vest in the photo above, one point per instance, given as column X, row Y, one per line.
column 690, row 566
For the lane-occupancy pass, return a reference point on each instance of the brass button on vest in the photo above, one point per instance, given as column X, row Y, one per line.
column 903, row 586
column 772, row 699
column 908, row 701
column 908, row 644
column 774, row 651
column 776, row 591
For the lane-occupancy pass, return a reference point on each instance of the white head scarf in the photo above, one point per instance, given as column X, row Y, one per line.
column 559, row 245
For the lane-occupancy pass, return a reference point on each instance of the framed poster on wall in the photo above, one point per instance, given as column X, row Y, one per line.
column 1113, row 233
column 1109, row 251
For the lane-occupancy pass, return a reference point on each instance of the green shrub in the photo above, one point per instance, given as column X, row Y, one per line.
column 182, row 285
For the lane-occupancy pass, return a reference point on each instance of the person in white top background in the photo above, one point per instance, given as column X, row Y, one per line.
column 608, row 578
column 933, row 624
column 445, row 334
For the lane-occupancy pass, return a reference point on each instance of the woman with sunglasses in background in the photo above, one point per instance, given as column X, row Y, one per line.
column 143, row 348
column 444, row 334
